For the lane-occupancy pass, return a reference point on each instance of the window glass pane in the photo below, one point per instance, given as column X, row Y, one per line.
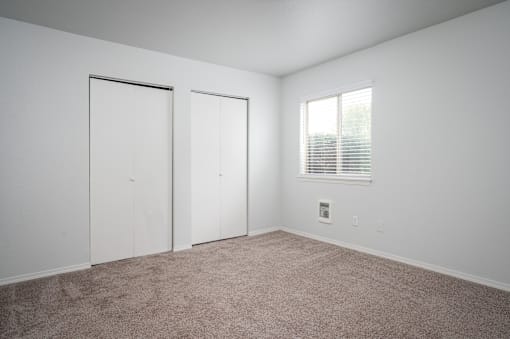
column 322, row 116
column 322, row 136
column 356, row 143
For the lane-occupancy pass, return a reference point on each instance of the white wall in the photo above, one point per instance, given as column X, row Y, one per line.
column 441, row 138
column 44, row 201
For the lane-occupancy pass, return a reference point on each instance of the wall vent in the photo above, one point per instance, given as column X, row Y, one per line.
column 324, row 210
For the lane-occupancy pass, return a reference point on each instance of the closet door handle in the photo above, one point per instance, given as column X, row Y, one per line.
column 131, row 179
column 221, row 174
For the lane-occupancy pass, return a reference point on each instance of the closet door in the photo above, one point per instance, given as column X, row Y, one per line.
column 151, row 170
column 111, row 167
column 130, row 170
column 218, row 167
column 233, row 167
column 205, row 168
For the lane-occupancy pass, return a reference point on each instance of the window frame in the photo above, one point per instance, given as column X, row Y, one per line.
column 362, row 179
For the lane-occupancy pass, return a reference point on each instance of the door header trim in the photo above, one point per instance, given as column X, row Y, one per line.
column 129, row 82
column 220, row 95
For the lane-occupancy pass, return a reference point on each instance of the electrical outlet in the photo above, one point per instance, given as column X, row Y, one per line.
column 355, row 221
column 380, row 226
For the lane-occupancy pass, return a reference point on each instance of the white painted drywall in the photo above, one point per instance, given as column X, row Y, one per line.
column 44, row 183
column 441, row 157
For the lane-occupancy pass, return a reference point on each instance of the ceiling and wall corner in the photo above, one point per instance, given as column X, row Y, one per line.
column 272, row 37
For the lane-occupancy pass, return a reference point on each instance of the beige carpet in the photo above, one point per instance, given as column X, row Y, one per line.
column 274, row 286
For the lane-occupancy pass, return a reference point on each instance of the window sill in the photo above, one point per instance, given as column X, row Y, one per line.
column 336, row 179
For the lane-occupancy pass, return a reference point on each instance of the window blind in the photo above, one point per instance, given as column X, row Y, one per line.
column 336, row 135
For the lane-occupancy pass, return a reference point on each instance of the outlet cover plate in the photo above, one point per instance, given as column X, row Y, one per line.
column 355, row 221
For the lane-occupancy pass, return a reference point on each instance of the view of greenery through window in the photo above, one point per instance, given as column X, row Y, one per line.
column 337, row 134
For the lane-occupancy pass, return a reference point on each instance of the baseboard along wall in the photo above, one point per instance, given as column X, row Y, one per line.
column 412, row 262
column 42, row 274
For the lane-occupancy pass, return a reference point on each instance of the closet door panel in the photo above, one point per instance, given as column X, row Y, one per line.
column 111, row 203
column 151, row 170
column 233, row 162
column 205, row 183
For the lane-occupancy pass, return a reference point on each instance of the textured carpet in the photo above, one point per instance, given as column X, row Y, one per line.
column 272, row 285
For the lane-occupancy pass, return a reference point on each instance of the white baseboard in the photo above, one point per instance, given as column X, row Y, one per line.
column 182, row 248
column 263, row 230
column 412, row 262
column 42, row 274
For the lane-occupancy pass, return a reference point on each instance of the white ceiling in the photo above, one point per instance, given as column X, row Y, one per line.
column 276, row 37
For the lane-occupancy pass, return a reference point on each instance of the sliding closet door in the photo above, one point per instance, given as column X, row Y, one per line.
column 151, row 170
column 205, row 168
column 233, row 162
column 130, row 170
column 111, row 168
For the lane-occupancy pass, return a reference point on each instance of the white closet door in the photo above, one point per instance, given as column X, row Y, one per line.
column 205, row 168
column 151, row 170
column 111, row 166
column 218, row 167
column 130, row 170
column 233, row 162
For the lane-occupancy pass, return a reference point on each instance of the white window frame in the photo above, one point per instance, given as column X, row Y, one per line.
column 361, row 179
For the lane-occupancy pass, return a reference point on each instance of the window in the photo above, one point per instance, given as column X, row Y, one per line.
column 336, row 137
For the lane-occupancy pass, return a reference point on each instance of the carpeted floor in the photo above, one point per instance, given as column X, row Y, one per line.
column 272, row 285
